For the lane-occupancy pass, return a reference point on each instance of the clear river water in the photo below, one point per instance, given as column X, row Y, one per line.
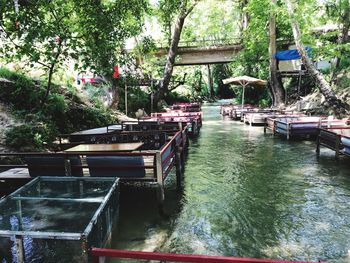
column 246, row 194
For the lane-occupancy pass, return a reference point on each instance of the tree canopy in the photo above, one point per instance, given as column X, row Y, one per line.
column 93, row 35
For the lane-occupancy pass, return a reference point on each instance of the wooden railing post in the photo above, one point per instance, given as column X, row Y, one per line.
column 337, row 146
column 318, row 141
column 178, row 164
column 288, row 130
column 159, row 175
column 67, row 166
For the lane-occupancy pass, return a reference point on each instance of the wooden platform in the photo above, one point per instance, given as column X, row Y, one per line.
column 336, row 139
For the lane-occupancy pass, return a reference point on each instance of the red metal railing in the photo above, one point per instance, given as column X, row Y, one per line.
column 113, row 253
column 168, row 153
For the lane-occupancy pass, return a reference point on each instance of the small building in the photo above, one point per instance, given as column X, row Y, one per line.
column 289, row 60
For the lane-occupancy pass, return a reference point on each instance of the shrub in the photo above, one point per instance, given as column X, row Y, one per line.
column 174, row 97
column 21, row 92
column 56, row 105
column 27, row 138
column 62, row 113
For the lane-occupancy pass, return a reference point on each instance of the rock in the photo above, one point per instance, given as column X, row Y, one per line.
column 140, row 113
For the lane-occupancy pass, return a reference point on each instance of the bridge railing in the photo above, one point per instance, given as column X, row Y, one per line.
column 204, row 42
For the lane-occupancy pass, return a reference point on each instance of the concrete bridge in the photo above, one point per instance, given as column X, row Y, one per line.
column 203, row 52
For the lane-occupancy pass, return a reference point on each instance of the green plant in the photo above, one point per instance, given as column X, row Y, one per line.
column 20, row 91
column 56, row 105
column 27, row 138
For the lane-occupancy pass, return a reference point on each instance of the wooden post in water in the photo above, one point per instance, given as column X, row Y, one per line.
column 178, row 167
column 318, row 141
column 160, row 187
column 67, row 167
column 337, row 146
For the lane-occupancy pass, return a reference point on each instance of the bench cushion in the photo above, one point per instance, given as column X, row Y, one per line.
column 114, row 166
column 52, row 165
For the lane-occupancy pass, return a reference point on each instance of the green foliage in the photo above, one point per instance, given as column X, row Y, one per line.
column 174, row 97
column 166, row 12
column 91, row 33
column 80, row 118
column 56, row 105
column 21, row 92
column 137, row 99
column 27, row 137
column 220, row 72
column 104, row 28
column 345, row 63
column 253, row 60
column 64, row 113
column 145, row 45
column 207, row 22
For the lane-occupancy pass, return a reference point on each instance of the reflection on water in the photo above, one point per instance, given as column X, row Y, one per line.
column 247, row 194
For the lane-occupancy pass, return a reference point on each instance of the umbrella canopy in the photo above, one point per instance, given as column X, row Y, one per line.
column 245, row 81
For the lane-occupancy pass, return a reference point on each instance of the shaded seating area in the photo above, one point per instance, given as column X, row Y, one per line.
column 152, row 140
column 270, row 122
column 187, row 107
column 149, row 167
column 303, row 127
column 237, row 111
column 260, row 117
column 336, row 139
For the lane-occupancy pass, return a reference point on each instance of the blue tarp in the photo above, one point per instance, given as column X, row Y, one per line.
column 291, row 54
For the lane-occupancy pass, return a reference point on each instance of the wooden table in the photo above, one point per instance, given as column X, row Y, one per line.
column 113, row 147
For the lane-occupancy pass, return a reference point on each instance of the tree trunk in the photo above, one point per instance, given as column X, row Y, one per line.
column 334, row 102
column 278, row 92
column 169, row 65
column 51, row 71
column 245, row 15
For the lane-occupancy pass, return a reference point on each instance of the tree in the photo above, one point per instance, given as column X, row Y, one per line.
column 49, row 33
column 339, row 11
column 104, row 31
column 275, row 83
column 37, row 33
column 184, row 9
column 245, row 14
column 334, row 102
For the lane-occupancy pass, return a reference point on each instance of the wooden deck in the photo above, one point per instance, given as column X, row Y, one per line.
column 336, row 139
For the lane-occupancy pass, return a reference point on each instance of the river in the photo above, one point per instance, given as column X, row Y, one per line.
column 246, row 194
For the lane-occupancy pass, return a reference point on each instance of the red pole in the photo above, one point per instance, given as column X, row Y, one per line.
column 103, row 252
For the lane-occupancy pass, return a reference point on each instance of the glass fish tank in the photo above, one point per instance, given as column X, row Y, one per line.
column 57, row 219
